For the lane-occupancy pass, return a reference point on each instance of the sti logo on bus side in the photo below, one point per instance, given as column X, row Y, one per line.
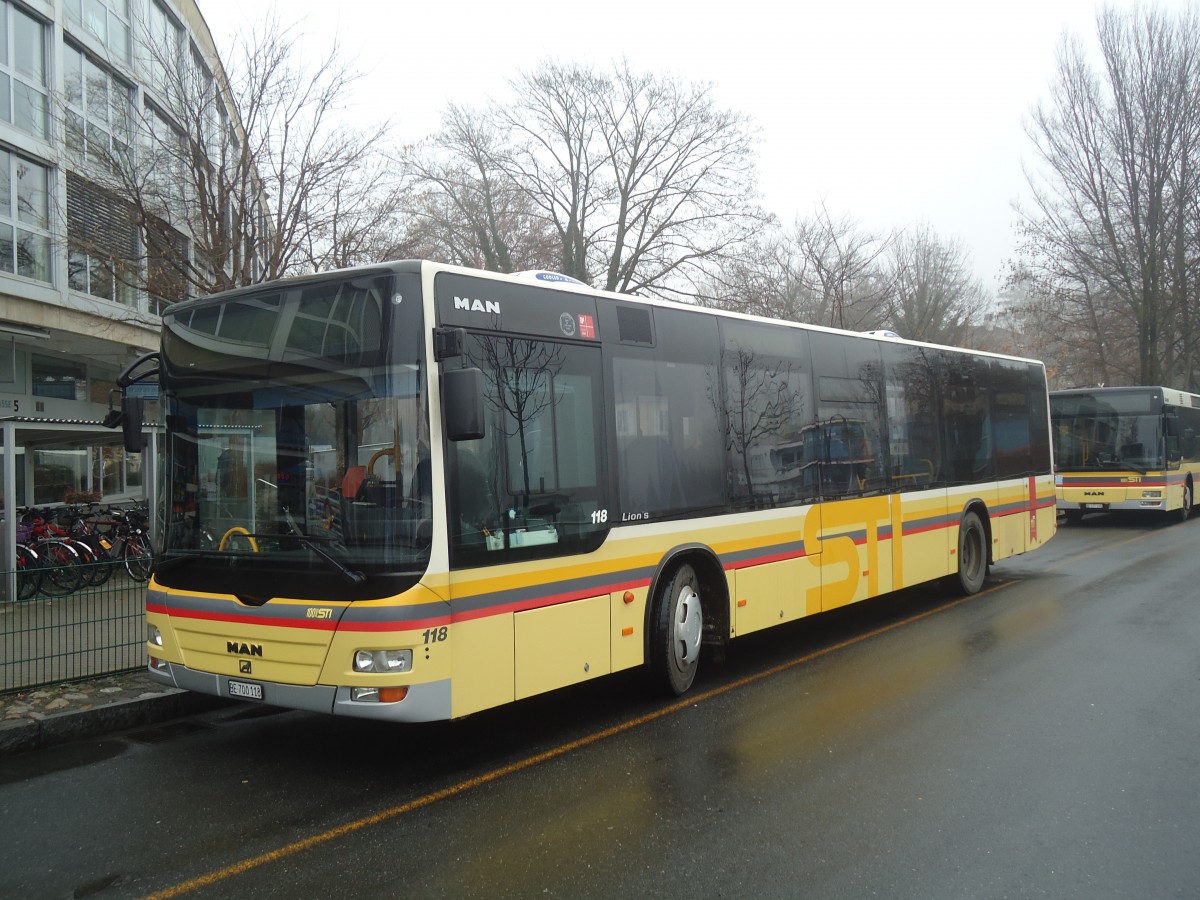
column 483, row 306
column 243, row 649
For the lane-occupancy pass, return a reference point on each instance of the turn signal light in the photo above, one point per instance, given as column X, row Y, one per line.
column 378, row 695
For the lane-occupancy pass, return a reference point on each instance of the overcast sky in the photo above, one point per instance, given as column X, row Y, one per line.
column 891, row 112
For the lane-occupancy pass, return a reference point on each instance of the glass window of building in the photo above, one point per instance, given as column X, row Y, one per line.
column 67, row 474
column 24, row 217
column 133, row 470
column 105, row 20
column 62, row 379
column 102, row 243
column 165, row 267
column 163, row 151
column 57, row 472
column 8, row 361
column 99, row 108
column 23, row 70
column 160, row 53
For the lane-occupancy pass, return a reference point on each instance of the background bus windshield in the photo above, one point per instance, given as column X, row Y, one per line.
column 1093, row 431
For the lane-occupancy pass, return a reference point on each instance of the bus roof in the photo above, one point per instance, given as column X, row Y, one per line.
column 541, row 281
column 1170, row 396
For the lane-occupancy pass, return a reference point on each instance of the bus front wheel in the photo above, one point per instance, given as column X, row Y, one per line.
column 676, row 626
column 972, row 554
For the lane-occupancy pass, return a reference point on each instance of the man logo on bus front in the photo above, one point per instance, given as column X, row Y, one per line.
column 476, row 305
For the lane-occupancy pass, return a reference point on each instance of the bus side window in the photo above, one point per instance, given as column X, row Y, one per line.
column 475, row 507
column 650, row 475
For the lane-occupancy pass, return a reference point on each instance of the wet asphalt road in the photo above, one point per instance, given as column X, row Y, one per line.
column 1041, row 739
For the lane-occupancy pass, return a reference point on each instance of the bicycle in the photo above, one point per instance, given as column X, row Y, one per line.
column 83, row 528
column 59, row 561
column 131, row 543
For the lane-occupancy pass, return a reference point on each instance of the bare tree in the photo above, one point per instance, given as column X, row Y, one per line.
column 363, row 221
column 683, row 182
column 1073, row 326
column 826, row 271
column 229, row 177
column 934, row 294
column 843, row 268
column 463, row 208
column 769, row 278
column 641, row 182
column 1006, row 328
column 1111, row 237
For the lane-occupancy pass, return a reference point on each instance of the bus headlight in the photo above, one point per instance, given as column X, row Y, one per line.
column 1152, row 494
column 153, row 635
column 383, row 661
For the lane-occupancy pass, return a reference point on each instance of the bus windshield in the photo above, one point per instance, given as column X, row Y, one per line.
column 297, row 463
column 1113, row 431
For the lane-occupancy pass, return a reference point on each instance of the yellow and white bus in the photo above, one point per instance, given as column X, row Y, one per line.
column 1125, row 448
column 413, row 491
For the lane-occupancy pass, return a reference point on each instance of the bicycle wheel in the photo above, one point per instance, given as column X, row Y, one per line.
column 138, row 558
column 89, row 562
column 29, row 572
column 61, row 572
column 102, row 568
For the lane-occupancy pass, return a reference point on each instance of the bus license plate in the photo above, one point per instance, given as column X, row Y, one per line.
column 245, row 690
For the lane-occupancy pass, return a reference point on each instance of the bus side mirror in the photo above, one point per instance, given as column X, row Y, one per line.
column 463, row 403
column 132, row 409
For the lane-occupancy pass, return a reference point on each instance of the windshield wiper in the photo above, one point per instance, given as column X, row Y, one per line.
column 1137, row 467
column 353, row 576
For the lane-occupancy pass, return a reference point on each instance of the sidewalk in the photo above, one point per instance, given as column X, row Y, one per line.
column 56, row 714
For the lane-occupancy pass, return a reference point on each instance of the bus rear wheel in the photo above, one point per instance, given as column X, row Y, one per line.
column 972, row 554
column 676, row 627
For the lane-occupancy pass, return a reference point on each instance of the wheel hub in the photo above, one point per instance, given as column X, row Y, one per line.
column 688, row 626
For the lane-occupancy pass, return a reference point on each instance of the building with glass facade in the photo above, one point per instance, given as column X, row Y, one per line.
column 81, row 83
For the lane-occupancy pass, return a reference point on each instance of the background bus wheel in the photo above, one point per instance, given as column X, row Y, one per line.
column 972, row 554
column 676, row 624
column 1185, row 511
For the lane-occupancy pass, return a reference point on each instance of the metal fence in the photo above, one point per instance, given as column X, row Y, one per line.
column 52, row 638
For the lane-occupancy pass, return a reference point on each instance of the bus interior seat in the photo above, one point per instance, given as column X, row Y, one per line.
column 353, row 480
column 366, row 505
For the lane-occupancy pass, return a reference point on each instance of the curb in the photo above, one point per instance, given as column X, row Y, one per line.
column 23, row 735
